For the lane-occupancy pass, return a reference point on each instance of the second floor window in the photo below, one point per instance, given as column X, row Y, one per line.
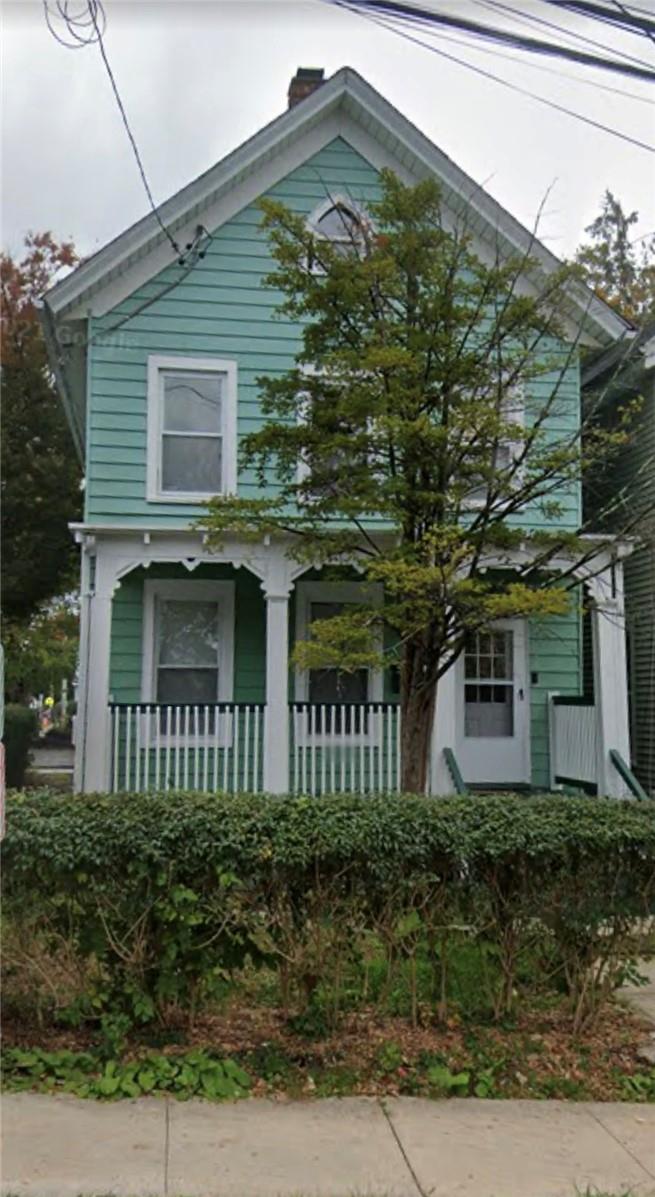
column 191, row 428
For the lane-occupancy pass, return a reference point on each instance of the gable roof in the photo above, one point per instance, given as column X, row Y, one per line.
column 348, row 93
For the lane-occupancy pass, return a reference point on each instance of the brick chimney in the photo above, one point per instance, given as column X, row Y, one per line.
column 304, row 82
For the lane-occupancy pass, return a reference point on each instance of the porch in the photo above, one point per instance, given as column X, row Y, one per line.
column 336, row 749
column 210, row 703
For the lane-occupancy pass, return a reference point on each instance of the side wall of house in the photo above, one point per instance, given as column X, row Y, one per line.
column 638, row 474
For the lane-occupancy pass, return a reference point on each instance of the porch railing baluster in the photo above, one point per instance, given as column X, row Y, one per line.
column 146, row 757
column 333, row 747
column 167, row 758
column 128, row 748
column 117, row 737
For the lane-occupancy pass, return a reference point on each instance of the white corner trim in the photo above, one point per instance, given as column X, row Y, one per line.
column 334, row 592
column 157, row 363
column 177, row 588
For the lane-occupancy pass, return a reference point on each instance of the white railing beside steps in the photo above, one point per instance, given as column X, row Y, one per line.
column 344, row 748
column 573, row 736
column 207, row 747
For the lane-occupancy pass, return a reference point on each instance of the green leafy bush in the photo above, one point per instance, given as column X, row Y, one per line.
column 20, row 726
column 194, row 1074
column 169, row 894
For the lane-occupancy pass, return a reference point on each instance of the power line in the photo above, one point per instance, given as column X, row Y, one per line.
column 570, row 34
column 628, row 21
column 648, row 27
column 85, row 28
column 416, row 14
column 539, row 66
column 355, row 7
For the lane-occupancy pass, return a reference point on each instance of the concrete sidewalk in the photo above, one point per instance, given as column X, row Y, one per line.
column 403, row 1147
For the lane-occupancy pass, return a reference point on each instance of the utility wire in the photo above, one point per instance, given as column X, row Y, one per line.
column 648, row 26
column 90, row 22
column 473, row 44
column 416, row 14
column 570, row 34
column 355, row 7
column 193, row 253
column 629, row 21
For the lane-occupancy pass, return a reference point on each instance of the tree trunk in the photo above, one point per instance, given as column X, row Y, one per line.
column 417, row 705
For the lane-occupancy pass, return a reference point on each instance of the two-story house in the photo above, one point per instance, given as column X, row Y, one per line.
column 184, row 674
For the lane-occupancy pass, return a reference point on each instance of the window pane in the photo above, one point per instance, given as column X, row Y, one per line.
column 191, row 463
column 192, row 402
column 334, row 686
column 188, row 633
column 187, row 686
column 325, row 610
column 339, row 223
column 489, row 711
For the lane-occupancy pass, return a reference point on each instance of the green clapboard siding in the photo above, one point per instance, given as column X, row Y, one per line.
column 555, row 663
column 221, row 309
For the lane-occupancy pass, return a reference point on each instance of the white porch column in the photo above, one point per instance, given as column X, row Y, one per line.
column 443, row 733
column 94, row 749
column 79, row 721
column 610, row 677
column 276, row 727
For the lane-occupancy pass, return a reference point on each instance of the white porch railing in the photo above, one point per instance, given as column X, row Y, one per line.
column 157, row 746
column 573, row 732
column 347, row 748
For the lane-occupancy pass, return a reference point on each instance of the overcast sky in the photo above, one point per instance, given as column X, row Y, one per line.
column 199, row 76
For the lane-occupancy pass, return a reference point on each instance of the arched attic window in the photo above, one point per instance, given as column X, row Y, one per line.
column 340, row 221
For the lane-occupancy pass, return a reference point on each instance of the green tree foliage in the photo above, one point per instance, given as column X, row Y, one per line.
column 41, row 652
column 424, row 411
column 619, row 269
column 40, row 472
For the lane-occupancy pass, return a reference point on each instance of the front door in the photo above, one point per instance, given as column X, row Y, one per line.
column 493, row 706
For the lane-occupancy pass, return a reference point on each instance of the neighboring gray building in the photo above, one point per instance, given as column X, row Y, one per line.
column 623, row 373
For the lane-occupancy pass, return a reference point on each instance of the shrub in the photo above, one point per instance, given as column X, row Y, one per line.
column 168, row 894
column 20, row 726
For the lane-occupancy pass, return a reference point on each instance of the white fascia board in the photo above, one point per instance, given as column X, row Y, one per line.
column 471, row 195
column 348, row 91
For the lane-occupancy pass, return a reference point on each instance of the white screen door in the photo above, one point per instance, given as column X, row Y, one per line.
column 493, row 706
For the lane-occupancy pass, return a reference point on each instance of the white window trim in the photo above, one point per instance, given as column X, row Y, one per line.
column 514, row 410
column 303, row 468
column 339, row 200
column 198, row 365
column 333, row 592
column 220, row 592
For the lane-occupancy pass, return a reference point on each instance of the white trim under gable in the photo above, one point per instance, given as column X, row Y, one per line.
column 157, row 363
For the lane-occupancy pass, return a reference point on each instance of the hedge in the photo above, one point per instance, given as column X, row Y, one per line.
column 19, row 729
column 165, row 892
